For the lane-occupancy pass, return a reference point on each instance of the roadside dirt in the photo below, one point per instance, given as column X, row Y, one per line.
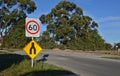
column 93, row 54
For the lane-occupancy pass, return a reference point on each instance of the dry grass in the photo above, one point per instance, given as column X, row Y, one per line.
column 109, row 52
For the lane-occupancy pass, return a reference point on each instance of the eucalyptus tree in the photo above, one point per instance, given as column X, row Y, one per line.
column 13, row 12
column 68, row 26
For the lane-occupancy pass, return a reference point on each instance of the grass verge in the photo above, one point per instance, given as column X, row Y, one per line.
column 2, row 52
column 19, row 65
column 116, row 58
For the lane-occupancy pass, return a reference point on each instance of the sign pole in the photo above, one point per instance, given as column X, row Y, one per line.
column 32, row 60
column 32, row 29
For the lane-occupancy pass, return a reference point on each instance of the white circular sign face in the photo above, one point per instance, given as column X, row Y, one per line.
column 32, row 27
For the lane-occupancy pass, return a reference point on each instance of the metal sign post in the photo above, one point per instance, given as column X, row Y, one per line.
column 32, row 60
column 32, row 29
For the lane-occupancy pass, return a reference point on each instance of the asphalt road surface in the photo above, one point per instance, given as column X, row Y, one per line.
column 83, row 64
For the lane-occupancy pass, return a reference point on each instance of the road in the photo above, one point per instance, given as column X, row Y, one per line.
column 83, row 64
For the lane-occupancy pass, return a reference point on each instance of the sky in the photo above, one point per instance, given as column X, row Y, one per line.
column 105, row 12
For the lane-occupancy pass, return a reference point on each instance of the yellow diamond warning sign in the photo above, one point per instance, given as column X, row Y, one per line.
column 32, row 49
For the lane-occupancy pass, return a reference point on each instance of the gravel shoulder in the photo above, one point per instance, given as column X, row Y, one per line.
column 92, row 55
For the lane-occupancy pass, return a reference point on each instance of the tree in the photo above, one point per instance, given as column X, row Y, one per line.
column 13, row 12
column 46, row 42
column 67, row 25
column 108, row 46
column 116, row 46
column 16, row 37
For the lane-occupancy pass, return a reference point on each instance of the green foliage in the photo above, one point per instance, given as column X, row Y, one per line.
column 67, row 25
column 16, row 37
column 39, row 69
column 116, row 46
column 11, row 11
column 12, row 22
column 108, row 46
column 45, row 41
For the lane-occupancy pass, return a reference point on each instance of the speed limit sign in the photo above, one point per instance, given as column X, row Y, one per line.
column 32, row 27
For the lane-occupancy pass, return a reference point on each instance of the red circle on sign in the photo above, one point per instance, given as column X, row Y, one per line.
column 29, row 30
